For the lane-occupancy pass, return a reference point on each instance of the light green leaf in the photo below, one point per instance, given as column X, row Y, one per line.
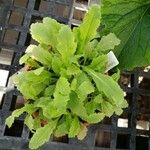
column 84, row 89
column 42, row 135
column 99, row 63
column 95, row 117
column 87, row 30
column 61, row 130
column 62, row 86
column 90, row 51
column 74, row 84
column 75, row 128
column 38, row 71
column 29, row 121
column 107, row 43
column 31, row 84
column 73, row 70
column 108, row 86
column 66, row 45
column 57, row 64
column 43, row 56
column 24, row 59
column 129, row 20
column 27, row 108
column 76, row 106
column 46, row 32
column 98, row 99
column 107, row 108
column 116, row 76
column 83, row 132
column 49, row 91
column 91, row 107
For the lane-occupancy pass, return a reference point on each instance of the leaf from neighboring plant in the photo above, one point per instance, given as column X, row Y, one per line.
column 129, row 20
column 73, row 70
column 107, row 43
column 57, row 64
column 99, row 63
column 95, row 117
column 66, row 45
column 27, row 108
column 29, row 121
column 42, row 135
column 75, row 128
column 87, row 30
column 84, row 89
column 61, row 130
column 76, row 106
column 83, row 132
column 46, row 32
column 108, row 86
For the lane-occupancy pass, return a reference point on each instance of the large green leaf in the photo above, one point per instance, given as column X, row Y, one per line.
column 46, row 32
column 66, row 44
column 61, row 94
column 87, row 30
column 27, row 108
column 130, row 21
column 75, row 127
column 108, row 86
column 42, row 135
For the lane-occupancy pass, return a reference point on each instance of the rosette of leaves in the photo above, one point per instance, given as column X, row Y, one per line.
column 67, row 85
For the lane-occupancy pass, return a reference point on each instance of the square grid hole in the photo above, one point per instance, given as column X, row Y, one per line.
column 15, row 130
column 11, row 36
column 123, row 141
column 21, row 3
column 6, row 56
column 102, row 139
column 61, row 10
column 16, row 18
column 17, row 102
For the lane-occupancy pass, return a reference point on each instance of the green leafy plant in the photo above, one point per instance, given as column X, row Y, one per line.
column 130, row 21
column 65, row 85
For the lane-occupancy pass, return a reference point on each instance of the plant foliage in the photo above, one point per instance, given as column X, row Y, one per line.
column 67, row 85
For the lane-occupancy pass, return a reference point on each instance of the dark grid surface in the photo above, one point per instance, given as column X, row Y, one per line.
column 104, row 136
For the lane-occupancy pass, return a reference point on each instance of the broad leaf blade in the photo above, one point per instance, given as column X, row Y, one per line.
column 66, row 44
column 42, row 135
column 87, row 30
column 46, row 32
column 130, row 21
column 108, row 86
column 75, row 127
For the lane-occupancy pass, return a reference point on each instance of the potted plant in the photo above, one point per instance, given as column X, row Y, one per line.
column 66, row 82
